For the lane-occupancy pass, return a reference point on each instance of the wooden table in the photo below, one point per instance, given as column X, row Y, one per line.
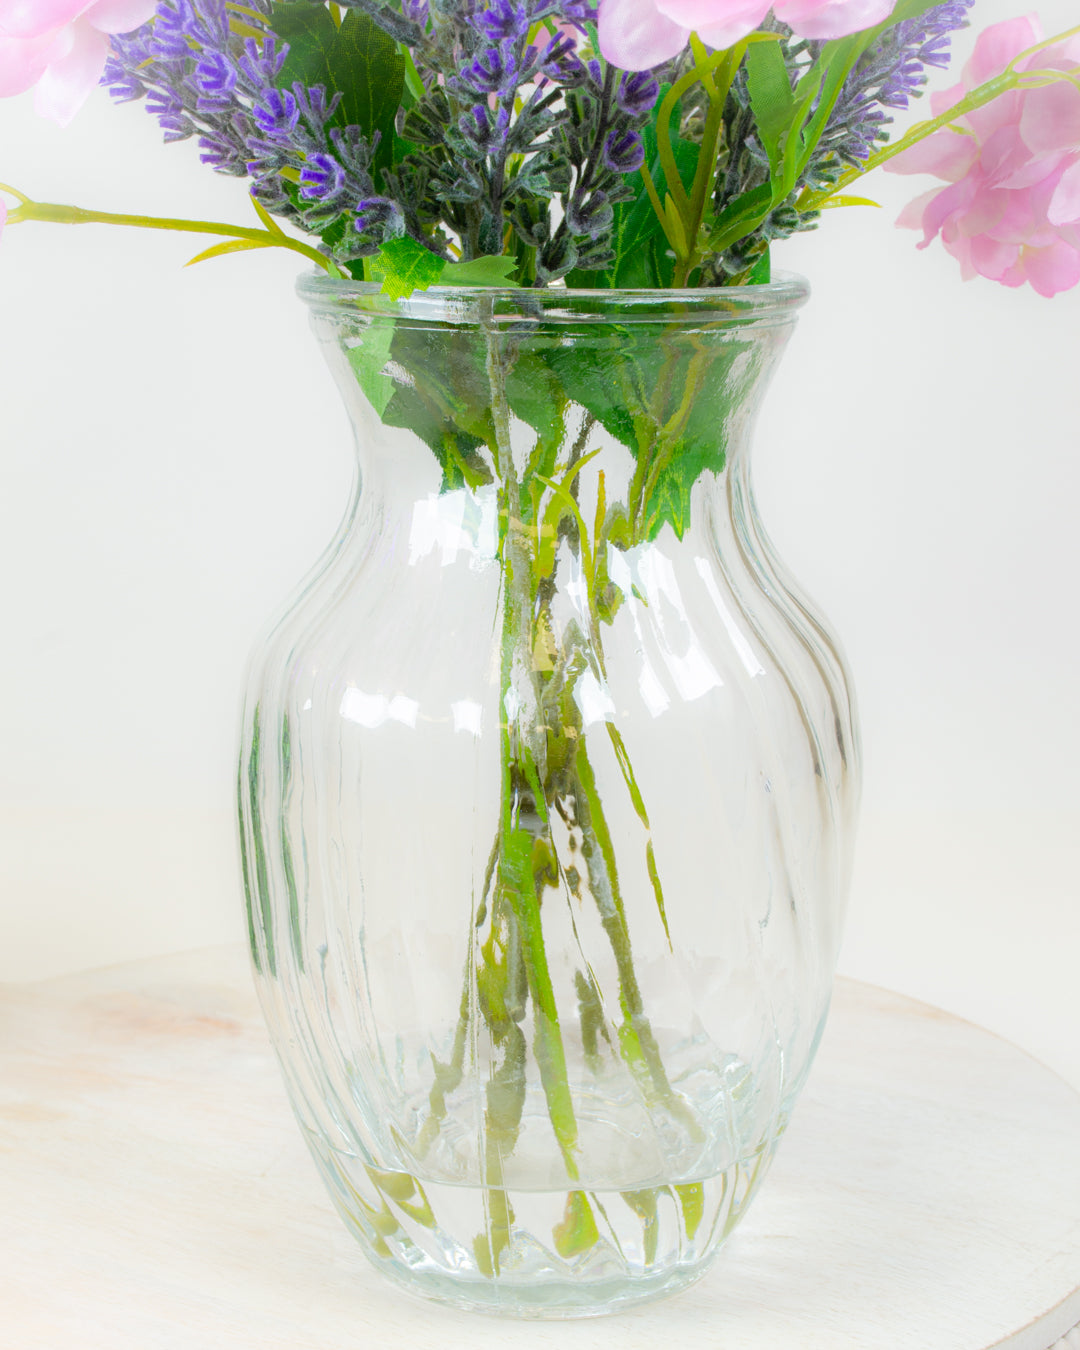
column 156, row 1194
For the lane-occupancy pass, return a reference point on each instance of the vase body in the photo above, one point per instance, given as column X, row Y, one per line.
column 547, row 790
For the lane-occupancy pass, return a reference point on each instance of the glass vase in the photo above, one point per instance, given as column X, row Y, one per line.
column 547, row 789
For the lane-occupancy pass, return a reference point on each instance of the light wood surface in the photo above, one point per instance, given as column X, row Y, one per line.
column 156, row 1192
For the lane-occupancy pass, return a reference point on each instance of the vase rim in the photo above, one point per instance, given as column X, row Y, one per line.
column 773, row 302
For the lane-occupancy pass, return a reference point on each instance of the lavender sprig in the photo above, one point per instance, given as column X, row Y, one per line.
column 198, row 76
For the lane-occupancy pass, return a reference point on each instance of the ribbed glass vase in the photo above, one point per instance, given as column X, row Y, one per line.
column 547, row 791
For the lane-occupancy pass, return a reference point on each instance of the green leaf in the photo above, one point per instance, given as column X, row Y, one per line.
column 446, row 399
column 641, row 247
column 846, row 200
column 310, row 32
column 368, row 359
column 404, row 266
column 595, row 378
column 230, row 246
column 692, row 1199
column 740, row 217
column 358, row 60
column 490, row 270
column 578, row 1231
column 771, row 99
column 643, row 1203
column 366, row 66
column 536, row 397
column 761, row 272
column 267, row 219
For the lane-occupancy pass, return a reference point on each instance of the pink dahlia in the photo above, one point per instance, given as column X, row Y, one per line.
column 61, row 47
column 640, row 34
column 1011, row 210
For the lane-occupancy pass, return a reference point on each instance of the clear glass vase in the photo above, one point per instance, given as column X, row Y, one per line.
column 547, row 790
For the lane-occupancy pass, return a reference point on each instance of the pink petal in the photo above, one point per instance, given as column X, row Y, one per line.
column 636, row 36
column 911, row 217
column 1051, row 117
column 23, row 60
column 31, row 18
column 1052, row 269
column 991, row 258
column 947, row 154
column 1035, row 172
column 1003, row 155
column 718, row 23
column 984, row 211
column 1003, row 111
column 943, row 99
column 961, row 251
column 996, row 47
column 67, row 83
column 120, row 16
column 1064, row 207
column 721, row 35
column 831, row 18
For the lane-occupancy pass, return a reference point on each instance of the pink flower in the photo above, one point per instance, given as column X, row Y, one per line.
column 640, row 34
column 61, row 46
column 1011, row 211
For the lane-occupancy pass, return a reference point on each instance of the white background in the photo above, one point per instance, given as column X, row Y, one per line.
column 173, row 458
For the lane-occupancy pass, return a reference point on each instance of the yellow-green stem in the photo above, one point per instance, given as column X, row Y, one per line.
column 55, row 213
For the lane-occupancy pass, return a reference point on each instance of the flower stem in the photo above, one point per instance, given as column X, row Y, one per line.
column 55, row 213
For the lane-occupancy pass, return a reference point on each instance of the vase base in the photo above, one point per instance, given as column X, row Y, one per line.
column 538, row 1254
column 558, row 1300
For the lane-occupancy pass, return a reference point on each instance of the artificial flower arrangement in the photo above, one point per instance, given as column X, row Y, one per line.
column 514, row 152
column 629, row 144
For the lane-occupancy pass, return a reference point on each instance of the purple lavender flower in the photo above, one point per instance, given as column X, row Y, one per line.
column 276, row 114
column 374, row 213
column 169, row 36
column 889, row 75
column 214, row 80
column 579, row 12
column 637, row 93
column 591, row 216
column 262, row 61
column 623, row 151
column 322, row 178
column 493, row 71
column 123, row 84
column 485, row 135
column 505, row 20
column 169, row 110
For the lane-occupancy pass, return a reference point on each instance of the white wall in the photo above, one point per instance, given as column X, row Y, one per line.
column 173, row 457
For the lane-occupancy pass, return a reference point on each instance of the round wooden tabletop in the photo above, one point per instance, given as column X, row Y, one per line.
column 156, row 1192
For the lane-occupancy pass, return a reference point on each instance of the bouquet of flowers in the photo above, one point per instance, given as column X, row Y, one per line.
column 530, row 142
column 534, row 148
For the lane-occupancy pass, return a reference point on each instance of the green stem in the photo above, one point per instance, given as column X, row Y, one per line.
column 525, row 854
column 54, row 213
column 705, row 173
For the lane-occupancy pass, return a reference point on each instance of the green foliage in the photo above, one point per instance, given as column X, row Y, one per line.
column 368, row 358
column 771, row 98
column 596, row 378
column 642, row 253
column 447, row 401
column 490, row 270
column 404, row 266
column 358, row 60
column 578, row 1231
